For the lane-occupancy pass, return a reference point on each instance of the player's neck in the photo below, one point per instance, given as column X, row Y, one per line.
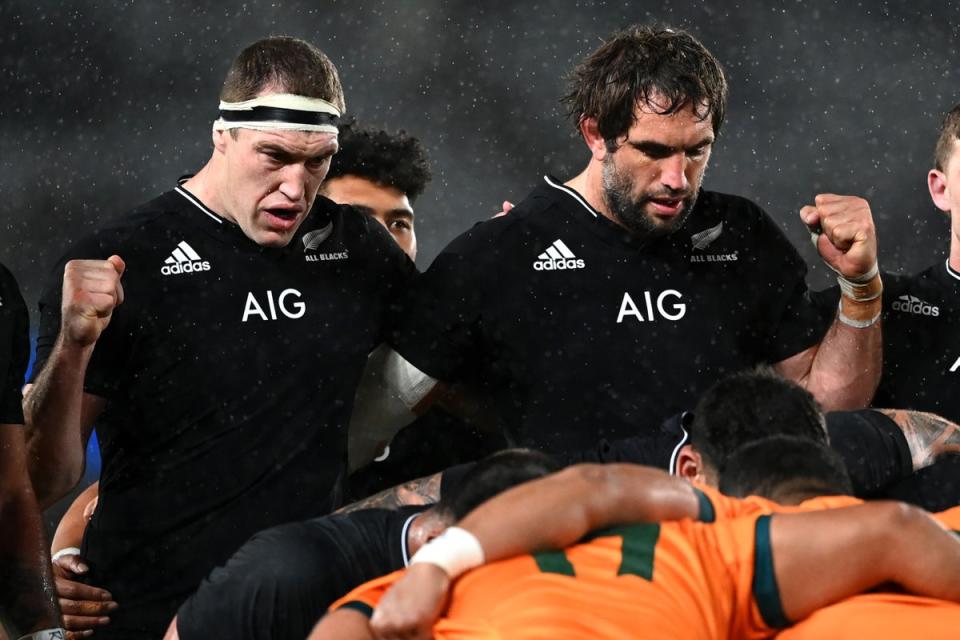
column 955, row 248
column 203, row 186
column 589, row 184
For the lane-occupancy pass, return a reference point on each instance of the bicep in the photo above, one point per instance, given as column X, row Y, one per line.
column 821, row 557
column 797, row 367
column 90, row 409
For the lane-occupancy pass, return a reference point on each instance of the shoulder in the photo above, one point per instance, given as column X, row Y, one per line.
column 355, row 229
column 129, row 232
column 502, row 233
column 734, row 211
column 8, row 284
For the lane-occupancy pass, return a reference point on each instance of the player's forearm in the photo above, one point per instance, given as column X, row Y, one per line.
column 73, row 524
column 845, row 369
column 558, row 510
column 922, row 556
column 343, row 624
column 27, row 599
column 54, row 414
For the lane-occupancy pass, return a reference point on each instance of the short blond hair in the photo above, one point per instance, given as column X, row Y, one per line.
column 949, row 133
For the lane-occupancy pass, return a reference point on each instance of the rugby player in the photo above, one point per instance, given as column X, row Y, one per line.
column 28, row 607
column 610, row 300
column 223, row 383
column 281, row 581
column 796, row 471
column 747, row 575
column 921, row 312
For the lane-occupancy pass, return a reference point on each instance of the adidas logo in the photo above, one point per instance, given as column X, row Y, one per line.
column 914, row 305
column 557, row 257
column 184, row 260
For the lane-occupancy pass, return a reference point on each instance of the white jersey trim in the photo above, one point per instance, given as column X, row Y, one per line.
column 576, row 196
column 950, row 271
column 676, row 450
column 196, row 202
column 403, row 539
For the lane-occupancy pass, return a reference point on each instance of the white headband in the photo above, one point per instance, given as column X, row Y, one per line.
column 279, row 111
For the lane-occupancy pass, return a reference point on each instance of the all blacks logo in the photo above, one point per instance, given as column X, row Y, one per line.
column 914, row 305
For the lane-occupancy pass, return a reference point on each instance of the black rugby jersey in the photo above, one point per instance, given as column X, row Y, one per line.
column 280, row 583
column 582, row 331
column 14, row 348
column 921, row 340
column 230, row 371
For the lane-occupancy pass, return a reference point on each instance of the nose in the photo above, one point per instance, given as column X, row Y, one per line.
column 673, row 172
column 293, row 181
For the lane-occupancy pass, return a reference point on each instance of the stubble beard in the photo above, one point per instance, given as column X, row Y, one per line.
column 631, row 212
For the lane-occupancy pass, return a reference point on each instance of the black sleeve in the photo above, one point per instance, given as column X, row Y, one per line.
column 794, row 322
column 438, row 323
column 873, row 448
column 116, row 342
column 935, row 488
column 277, row 585
column 654, row 448
column 14, row 348
column 396, row 271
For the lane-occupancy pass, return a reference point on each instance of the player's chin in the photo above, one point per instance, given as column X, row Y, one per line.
column 275, row 238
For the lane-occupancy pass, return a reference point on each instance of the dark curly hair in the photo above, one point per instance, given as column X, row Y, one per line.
column 637, row 64
column 396, row 160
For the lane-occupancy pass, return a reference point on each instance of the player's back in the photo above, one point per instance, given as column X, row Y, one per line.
column 671, row 580
column 880, row 616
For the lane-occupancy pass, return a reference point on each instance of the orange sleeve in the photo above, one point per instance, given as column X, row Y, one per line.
column 950, row 519
column 366, row 597
column 724, row 507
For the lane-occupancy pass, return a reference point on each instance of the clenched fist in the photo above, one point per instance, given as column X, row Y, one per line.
column 848, row 242
column 91, row 291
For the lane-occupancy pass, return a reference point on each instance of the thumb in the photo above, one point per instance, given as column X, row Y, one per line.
column 117, row 263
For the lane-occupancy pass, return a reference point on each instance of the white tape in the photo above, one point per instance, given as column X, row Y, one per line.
column 69, row 551
column 456, row 551
column 46, row 634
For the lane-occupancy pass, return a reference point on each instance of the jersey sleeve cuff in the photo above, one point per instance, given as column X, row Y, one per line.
column 359, row 606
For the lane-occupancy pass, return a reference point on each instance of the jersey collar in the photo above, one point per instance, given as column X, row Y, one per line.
column 321, row 213
column 576, row 205
column 952, row 275
column 403, row 539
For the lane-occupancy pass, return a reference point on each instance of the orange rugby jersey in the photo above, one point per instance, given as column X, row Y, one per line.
column 672, row 580
column 880, row 616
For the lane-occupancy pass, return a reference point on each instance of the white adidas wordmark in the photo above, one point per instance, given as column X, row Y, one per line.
column 914, row 305
column 184, row 259
column 557, row 257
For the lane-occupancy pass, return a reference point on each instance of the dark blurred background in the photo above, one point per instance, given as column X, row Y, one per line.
column 105, row 104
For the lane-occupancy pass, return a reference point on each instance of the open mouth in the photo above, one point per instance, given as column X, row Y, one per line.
column 666, row 206
column 281, row 218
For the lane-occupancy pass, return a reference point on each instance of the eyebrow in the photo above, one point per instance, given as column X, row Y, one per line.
column 653, row 148
column 403, row 213
column 286, row 154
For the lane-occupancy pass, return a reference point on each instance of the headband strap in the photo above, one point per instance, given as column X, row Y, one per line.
column 279, row 111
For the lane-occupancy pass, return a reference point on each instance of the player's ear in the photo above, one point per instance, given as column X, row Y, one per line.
column 937, row 184
column 219, row 140
column 689, row 464
column 591, row 135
